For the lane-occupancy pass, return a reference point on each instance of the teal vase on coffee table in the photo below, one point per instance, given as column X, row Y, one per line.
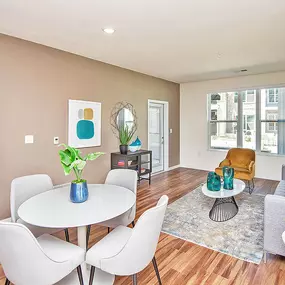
column 228, row 173
column 213, row 181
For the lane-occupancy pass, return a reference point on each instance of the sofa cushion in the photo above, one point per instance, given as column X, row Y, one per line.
column 280, row 190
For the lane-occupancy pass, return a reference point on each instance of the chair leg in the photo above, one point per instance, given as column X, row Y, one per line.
column 156, row 270
column 250, row 186
column 108, row 230
column 66, row 235
column 135, row 279
column 7, row 282
column 92, row 272
column 80, row 277
column 133, row 224
column 88, row 235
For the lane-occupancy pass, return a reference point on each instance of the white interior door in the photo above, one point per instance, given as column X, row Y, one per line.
column 156, row 135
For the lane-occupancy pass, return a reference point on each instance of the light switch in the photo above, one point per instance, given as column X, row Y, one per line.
column 29, row 139
column 56, row 140
column 170, row 131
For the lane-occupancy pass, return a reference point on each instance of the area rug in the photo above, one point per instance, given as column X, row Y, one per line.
column 241, row 237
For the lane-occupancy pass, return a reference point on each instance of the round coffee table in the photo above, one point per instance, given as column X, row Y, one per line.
column 225, row 206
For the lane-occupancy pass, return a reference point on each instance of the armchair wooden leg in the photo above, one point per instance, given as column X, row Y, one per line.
column 88, row 235
column 156, row 270
column 80, row 277
column 92, row 273
column 7, row 282
column 66, row 235
column 250, row 186
column 135, row 279
column 133, row 224
column 108, row 230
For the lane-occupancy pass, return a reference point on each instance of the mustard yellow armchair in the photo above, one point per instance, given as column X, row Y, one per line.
column 243, row 162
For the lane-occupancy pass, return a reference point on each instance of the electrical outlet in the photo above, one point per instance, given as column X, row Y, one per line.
column 56, row 140
column 29, row 139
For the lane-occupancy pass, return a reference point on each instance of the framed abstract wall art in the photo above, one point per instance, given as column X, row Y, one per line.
column 84, row 124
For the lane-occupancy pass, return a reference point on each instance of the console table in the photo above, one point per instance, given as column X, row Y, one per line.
column 140, row 160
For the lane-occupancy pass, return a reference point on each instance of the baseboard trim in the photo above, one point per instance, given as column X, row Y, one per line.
column 7, row 220
column 169, row 169
column 173, row 167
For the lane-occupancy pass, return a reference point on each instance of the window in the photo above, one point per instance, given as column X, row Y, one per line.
column 214, row 115
column 251, row 119
column 272, row 118
column 272, row 96
column 248, row 96
column 223, row 121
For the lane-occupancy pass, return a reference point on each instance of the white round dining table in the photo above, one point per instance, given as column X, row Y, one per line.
column 53, row 209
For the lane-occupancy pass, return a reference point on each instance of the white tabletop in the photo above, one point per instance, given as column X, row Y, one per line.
column 53, row 209
column 239, row 186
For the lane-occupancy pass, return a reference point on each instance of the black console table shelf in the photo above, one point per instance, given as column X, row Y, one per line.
column 141, row 161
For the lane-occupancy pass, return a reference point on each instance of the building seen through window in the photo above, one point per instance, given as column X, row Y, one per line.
column 250, row 119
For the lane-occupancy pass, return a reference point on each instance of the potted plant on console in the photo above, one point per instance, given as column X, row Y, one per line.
column 125, row 136
column 71, row 159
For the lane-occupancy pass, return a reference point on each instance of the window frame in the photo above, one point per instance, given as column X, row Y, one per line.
column 245, row 94
column 258, row 121
column 275, row 96
column 210, row 121
column 271, row 121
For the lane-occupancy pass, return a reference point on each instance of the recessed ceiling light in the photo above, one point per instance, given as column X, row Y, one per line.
column 108, row 30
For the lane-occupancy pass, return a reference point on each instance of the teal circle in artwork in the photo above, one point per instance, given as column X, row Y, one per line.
column 85, row 130
column 80, row 114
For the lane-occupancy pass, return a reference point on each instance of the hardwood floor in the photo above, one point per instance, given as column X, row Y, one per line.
column 181, row 262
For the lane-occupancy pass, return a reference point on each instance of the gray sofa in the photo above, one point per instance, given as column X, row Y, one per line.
column 274, row 219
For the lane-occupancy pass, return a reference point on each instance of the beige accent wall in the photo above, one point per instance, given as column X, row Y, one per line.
column 35, row 85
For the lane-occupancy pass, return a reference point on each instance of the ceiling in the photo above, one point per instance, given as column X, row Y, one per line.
column 177, row 40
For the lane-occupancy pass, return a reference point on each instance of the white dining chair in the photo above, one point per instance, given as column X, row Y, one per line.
column 42, row 261
column 126, row 178
column 127, row 251
column 25, row 187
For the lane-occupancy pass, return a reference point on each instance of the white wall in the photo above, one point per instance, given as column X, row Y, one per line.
column 193, row 123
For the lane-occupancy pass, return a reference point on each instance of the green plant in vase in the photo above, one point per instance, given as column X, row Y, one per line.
column 71, row 159
column 125, row 136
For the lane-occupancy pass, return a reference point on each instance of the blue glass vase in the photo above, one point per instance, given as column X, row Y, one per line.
column 138, row 143
column 228, row 173
column 213, row 181
column 78, row 192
